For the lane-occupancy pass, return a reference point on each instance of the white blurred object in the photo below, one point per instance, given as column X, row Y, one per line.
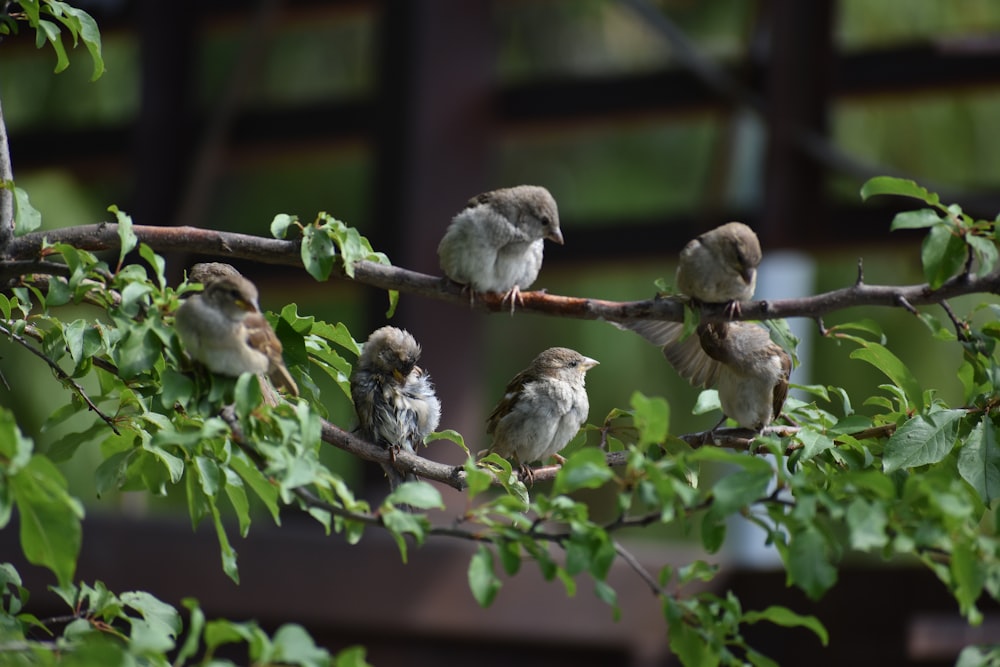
column 783, row 274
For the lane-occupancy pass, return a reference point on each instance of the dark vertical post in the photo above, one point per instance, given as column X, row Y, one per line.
column 167, row 39
column 798, row 96
column 434, row 128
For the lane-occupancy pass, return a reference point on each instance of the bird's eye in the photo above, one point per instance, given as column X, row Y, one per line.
column 546, row 222
column 574, row 364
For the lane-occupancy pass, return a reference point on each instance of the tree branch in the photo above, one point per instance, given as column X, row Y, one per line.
column 104, row 236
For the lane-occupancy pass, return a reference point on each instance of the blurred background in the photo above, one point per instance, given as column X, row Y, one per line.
column 649, row 121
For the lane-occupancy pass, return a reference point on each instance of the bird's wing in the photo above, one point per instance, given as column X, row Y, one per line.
column 686, row 356
column 511, row 395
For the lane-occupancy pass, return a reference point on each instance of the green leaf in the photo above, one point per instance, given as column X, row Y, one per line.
column 609, row 596
column 881, row 358
column 586, row 469
column 173, row 465
column 255, row 479
column 47, row 30
column 238, row 499
column 91, row 37
column 922, row 440
column 58, row 293
column 969, row 571
column 808, row 564
column 157, row 631
column 417, row 494
column 247, row 394
column 15, row 449
column 50, row 518
column 813, row 443
column 787, row 618
column 738, row 490
column 697, row 570
column 158, row 264
column 400, row 522
column 126, row 236
column 82, row 339
column 477, row 479
column 483, row 581
column 651, row 417
column 294, row 646
column 281, row 223
column 867, row 522
column 925, row 217
column 707, row 401
column 197, row 624
column 943, row 254
column 26, row 217
column 353, row 656
column 979, row 461
column 450, row 435
column 393, row 302
column 889, row 185
column 685, row 641
column 138, row 350
column 781, row 333
column 985, row 251
column 317, row 252
column 227, row 552
column 979, row 656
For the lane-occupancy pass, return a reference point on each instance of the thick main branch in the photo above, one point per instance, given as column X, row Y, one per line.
column 232, row 245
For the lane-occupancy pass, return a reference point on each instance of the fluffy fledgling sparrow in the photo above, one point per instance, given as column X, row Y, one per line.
column 720, row 266
column 260, row 335
column 222, row 328
column 393, row 397
column 542, row 408
column 495, row 243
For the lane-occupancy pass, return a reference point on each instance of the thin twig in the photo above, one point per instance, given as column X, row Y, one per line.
column 61, row 374
column 904, row 303
column 638, row 568
column 961, row 328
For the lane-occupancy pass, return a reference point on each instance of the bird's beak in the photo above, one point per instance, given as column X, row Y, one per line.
column 397, row 374
column 749, row 274
column 556, row 237
column 589, row 363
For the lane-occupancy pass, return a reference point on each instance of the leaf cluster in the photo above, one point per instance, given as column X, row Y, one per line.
column 48, row 18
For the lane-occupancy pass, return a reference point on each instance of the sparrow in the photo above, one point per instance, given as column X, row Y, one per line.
column 720, row 266
column 495, row 243
column 749, row 370
column 542, row 408
column 233, row 299
column 393, row 397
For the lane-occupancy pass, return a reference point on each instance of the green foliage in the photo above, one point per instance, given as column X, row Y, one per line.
column 953, row 240
column 48, row 18
column 327, row 238
column 137, row 628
